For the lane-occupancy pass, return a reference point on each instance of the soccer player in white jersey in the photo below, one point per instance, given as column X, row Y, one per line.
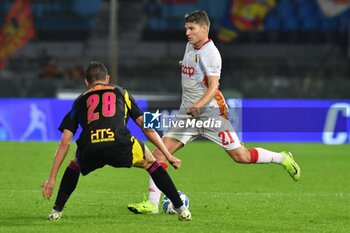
column 201, row 100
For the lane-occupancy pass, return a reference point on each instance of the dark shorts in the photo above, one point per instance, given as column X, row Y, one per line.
column 115, row 156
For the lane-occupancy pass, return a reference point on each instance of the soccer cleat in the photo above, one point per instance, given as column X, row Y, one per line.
column 55, row 215
column 145, row 207
column 185, row 215
column 291, row 166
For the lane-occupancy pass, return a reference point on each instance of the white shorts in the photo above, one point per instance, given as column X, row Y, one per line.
column 215, row 128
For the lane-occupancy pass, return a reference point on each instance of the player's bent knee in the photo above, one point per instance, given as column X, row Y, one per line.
column 145, row 164
column 148, row 162
column 159, row 156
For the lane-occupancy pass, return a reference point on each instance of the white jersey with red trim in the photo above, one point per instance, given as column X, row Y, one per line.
column 197, row 65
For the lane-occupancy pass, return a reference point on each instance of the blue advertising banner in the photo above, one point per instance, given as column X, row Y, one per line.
column 255, row 120
column 38, row 119
column 325, row 121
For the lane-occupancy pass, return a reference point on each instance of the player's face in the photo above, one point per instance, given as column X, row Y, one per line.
column 196, row 34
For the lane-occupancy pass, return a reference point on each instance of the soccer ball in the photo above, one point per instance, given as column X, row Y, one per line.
column 168, row 207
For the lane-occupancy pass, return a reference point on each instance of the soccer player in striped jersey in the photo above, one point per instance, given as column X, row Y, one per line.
column 103, row 112
column 202, row 100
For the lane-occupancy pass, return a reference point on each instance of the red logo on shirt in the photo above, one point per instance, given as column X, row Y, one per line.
column 188, row 70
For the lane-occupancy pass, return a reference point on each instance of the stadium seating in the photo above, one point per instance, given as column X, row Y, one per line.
column 289, row 18
column 64, row 19
column 92, row 8
column 10, row 88
column 273, row 22
column 263, row 59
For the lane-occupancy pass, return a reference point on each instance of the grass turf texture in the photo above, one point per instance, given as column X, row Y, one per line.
column 224, row 196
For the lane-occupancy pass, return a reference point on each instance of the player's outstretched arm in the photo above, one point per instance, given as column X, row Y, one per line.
column 213, row 86
column 154, row 137
column 60, row 155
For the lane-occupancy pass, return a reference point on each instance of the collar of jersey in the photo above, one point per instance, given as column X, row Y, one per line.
column 203, row 44
column 96, row 84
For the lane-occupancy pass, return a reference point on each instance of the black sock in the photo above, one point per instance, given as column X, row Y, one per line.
column 163, row 181
column 68, row 183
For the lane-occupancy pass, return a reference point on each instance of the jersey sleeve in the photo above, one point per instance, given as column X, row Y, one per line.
column 134, row 110
column 210, row 61
column 70, row 121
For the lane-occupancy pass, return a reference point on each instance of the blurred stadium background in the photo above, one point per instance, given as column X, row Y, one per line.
column 286, row 75
column 271, row 49
column 295, row 50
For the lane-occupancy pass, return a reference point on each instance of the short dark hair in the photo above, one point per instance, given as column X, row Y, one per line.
column 198, row 17
column 96, row 70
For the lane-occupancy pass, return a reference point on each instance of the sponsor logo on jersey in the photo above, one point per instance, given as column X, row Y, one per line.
column 102, row 135
column 187, row 70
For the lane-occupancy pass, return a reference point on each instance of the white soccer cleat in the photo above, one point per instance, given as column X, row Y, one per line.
column 55, row 215
column 185, row 215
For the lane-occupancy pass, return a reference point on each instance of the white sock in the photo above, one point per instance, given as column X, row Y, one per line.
column 154, row 192
column 266, row 156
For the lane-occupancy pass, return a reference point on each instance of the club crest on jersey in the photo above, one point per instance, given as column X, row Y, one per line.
column 195, row 58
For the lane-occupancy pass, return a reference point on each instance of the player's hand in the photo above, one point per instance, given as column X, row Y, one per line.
column 193, row 111
column 175, row 162
column 48, row 187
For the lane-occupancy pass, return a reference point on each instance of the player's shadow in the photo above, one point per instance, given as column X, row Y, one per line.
column 16, row 221
column 26, row 220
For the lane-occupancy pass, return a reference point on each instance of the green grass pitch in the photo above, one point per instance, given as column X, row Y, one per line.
column 224, row 196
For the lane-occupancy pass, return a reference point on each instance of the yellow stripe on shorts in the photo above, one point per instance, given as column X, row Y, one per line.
column 137, row 151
